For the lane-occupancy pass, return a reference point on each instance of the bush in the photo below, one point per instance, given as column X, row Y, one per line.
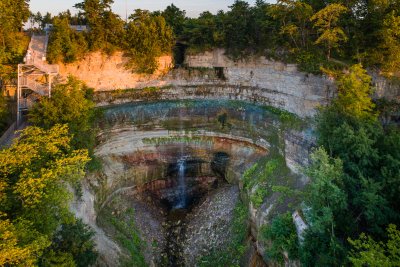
column 72, row 242
column 68, row 105
column 282, row 234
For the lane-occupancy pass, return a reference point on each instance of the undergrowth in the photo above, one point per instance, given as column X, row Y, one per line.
column 126, row 234
column 281, row 233
column 260, row 180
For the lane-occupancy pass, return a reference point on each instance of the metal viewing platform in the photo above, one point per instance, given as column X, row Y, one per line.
column 34, row 76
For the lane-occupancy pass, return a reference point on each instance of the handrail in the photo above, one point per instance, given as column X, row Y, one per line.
column 34, row 86
column 36, row 57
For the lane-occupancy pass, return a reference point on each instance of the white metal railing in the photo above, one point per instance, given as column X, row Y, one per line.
column 41, row 64
column 41, row 89
column 52, row 69
column 37, row 56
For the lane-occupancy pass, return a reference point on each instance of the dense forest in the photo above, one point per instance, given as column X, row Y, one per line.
column 352, row 201
column 313, row 34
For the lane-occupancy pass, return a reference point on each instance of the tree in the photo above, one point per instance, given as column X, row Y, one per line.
column 282, row 233
column 355, row 143
column 113, row 30
column 294, row 17
column 72, row 243
column 355, row 93
column 69, row 104
column 12, row 17
column 65, row 44
column 175, row 18
column 238, row 22
column 47, row 19
column 326, row 21
column 13, row 42
column 367, row 252
column 19, row 243
column 4, row 113
column 390, row 47
column 106, row 28
column 264, row 29
column 325, row 202
column 204, row 32
column 147, row 37
column 34, row 174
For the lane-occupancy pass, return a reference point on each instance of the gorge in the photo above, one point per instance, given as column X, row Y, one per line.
column 172, row 158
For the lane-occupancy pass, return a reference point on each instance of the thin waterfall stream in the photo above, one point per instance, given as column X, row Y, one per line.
column 182, row 198
column 176, row 218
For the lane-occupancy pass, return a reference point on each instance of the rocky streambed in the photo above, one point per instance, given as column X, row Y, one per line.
column 168, row 234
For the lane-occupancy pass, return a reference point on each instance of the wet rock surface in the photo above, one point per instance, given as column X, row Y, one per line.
column 175, row 229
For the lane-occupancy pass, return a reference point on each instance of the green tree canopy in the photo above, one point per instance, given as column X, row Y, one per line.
column 147, row 37
column 368, row 252
column 70, row 104
column 13, row 42
column 293, row 17
column 34, row 174
column 355, row 93
column 65, row 44
column 326, row 22
column 325, row 202
column 106, row 28
column 175, row 18
column 238, row 26
column 390, row 46
column 282, row 233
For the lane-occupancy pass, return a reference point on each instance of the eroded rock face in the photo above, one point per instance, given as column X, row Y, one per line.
column 142, row 147
column 108, row 72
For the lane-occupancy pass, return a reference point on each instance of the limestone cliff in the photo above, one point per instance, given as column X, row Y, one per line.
column 108, row 72
column 212, row 75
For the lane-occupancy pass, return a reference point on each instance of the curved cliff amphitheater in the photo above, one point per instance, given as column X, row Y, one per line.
column 177, row 148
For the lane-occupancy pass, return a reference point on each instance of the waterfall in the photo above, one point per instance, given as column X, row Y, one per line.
column 181, row 202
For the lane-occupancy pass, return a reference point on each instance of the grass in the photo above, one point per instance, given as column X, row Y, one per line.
column 177, row 139
column 130, row 240
column 287, row 119
column 148, row 93
column 123, row 229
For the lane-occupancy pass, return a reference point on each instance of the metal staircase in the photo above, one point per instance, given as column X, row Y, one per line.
column 35, row 76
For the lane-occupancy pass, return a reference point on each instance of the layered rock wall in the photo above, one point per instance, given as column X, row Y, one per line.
column 258, row 79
